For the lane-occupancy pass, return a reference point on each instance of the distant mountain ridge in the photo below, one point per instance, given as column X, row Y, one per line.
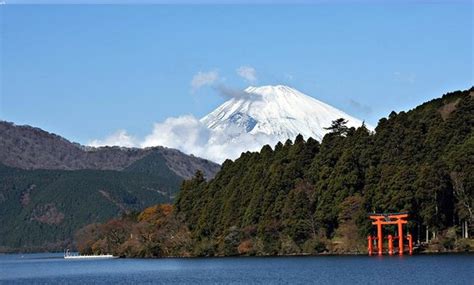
column 28, row 147
column 50, row 187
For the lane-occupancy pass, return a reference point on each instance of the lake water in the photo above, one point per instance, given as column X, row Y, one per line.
column 421, row 269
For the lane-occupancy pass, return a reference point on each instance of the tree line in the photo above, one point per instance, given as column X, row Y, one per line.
column 309, row 197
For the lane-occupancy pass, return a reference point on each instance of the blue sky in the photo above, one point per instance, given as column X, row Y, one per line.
column 85, row 71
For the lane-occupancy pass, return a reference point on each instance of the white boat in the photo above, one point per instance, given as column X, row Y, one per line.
column 68, row 255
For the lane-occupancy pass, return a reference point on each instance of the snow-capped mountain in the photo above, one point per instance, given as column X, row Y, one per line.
column 276, row 112
column 249, row 120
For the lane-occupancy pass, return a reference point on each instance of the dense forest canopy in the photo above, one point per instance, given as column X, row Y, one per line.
column 42, row 209
column 305, row 196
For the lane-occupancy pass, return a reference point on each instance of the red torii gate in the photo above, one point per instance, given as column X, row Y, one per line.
column 389, row 219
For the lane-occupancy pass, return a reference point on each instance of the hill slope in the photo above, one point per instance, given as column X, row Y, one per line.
column 50, row 187
column 32, row 148
column 42, row 209
column 298, row 196
column 306, row 197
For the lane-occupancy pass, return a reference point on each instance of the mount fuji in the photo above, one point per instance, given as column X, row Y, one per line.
column 247, row 121
column 275, row 112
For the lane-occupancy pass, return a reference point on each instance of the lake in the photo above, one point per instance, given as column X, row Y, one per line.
column 418, row 269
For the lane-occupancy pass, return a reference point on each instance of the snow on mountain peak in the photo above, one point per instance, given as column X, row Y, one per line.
column 247, row 121
column 280, row 112
column 268, row 89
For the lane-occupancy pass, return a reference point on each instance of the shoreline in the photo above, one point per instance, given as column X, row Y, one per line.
column 470, row 252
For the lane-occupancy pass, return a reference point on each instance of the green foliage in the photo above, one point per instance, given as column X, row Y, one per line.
column 314, row 246
column 311, row 197
column 338, row 127
column 42, row 209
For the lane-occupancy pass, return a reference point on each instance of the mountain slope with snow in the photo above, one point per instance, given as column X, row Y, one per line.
column 275, row 112
column 247, row 121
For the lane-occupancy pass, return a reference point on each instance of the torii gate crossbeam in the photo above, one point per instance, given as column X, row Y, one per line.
column 389, row 219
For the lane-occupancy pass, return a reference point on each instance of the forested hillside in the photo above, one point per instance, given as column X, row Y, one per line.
column 290, row 198
column 50, row 187
column 28, row 147
column 309, row 197
column 41, row 209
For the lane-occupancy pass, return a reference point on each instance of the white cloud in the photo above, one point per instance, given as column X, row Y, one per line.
column 189, row 135
column 119, row 138
column 185, row 133
column 201, row 79
column 248, row 73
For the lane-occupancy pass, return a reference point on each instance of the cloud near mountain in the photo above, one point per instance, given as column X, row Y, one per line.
column 243, row 123
column 201, row 79
column 188, row 134
column 248, row 73
column 119, row 138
